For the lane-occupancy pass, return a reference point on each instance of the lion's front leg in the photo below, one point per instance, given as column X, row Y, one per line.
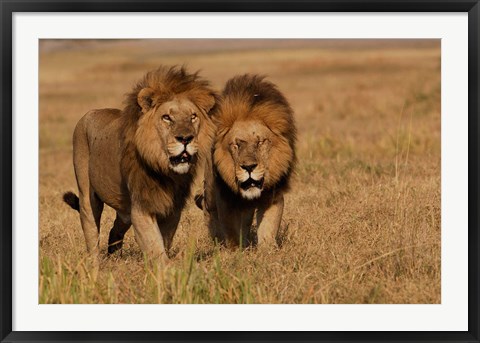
column 147, row 234
column 236, row 225
column 229, row 227
column 246, row 221
column 215, row 229
column 268, row 221
column 168, row 226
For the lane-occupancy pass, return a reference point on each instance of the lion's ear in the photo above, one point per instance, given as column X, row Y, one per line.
column 145, row 99
column 209, row 102
column 204, row 100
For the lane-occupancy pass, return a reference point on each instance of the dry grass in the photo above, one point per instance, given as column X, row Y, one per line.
column 362, row 224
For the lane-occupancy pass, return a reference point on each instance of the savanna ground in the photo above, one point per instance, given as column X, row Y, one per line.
column 362, row 222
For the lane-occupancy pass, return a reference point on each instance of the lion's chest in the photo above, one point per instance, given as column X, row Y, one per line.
column 158, row 193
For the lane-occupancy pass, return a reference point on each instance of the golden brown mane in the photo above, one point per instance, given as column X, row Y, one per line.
column 144, row 167
column 166, row 83
column 251, row 97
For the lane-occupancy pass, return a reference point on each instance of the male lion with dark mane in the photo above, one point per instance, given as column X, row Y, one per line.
column 249, row 169
column 141, row 161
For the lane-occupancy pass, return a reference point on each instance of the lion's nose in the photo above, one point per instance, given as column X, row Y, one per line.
column 248, row 167
column 184, row 139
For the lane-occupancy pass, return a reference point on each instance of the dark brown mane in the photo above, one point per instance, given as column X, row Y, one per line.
column 254, row 90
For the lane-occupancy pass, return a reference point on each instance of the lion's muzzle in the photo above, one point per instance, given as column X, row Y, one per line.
column 182, row 154
column 250, row 182
column 184, row 157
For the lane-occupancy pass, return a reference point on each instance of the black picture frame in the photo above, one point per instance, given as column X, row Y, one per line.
column 8, row 7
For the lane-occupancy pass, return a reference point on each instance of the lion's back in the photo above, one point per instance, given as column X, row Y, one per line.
column 98, row 119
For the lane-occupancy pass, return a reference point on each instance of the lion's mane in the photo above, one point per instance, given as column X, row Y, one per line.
column 251, row 97
column 144, row 164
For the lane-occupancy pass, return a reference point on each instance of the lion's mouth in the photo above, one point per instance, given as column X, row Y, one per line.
column 184, row 157
column 250, row 183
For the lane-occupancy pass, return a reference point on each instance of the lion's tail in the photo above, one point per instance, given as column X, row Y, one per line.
column 72, row 200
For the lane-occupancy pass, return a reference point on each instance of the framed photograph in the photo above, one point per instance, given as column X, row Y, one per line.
column 241, row 171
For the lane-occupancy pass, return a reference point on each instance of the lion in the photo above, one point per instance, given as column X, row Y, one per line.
column 252, row 160
column 142, row 161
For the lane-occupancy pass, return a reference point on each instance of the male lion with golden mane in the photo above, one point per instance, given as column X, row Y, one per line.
column 252, row 159
column 141, row 161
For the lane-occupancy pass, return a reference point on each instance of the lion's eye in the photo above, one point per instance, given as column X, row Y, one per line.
column 261, row 142
column 166, row 118
column 194, row 116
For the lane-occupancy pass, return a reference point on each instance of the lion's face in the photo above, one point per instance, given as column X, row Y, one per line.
column 250, row 145
column 169, row 133
column 178, row 123
column 251, row 158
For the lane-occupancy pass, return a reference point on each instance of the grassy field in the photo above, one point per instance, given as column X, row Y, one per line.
column 361, row 224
